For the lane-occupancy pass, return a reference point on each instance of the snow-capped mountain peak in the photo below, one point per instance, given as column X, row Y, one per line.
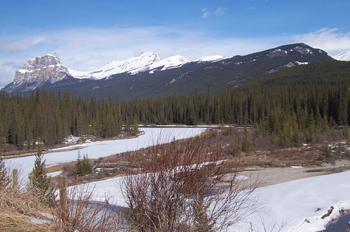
column 344, row 56
column 41, row 69
column 42, row 61
column 146, row 61
column 210, row 59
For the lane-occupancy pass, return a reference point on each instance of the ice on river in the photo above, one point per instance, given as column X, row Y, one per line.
column 94, row 150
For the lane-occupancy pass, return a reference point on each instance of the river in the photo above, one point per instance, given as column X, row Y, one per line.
column 341, row 225
column 94, row 150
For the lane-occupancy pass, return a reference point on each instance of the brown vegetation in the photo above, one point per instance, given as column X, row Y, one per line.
column 263, row 153
column 17, row 205
column 75, row 210
column 185, row 188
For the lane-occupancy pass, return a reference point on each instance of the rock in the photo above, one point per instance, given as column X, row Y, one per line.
column 42, row 61
column 35, row 72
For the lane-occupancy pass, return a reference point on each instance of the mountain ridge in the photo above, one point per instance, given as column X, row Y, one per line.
column 147, row 75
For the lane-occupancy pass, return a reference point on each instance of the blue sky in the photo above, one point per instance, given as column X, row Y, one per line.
column 88, row 34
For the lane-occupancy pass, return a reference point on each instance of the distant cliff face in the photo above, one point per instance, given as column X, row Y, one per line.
column 36, row 72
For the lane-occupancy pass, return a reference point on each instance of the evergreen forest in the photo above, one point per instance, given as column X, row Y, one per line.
column 293, row 104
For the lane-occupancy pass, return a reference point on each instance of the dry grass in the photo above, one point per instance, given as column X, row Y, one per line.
column 22, row 202
column 17, row 204
column 11, row 221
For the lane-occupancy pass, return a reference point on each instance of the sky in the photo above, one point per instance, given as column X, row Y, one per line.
column 88, row 34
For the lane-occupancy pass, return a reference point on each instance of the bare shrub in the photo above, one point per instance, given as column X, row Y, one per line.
column 185, row 188
column 75, row 210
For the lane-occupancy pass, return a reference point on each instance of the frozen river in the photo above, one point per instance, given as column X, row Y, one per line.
column 152, row 136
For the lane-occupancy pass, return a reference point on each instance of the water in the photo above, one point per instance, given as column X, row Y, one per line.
column 341, row 225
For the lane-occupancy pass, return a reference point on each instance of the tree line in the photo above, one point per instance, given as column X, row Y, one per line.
column 49, row 117
column 281, row 110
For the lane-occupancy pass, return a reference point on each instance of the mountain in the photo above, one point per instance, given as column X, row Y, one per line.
column 146, row 61
column 36, row 72
column 147, row 75
column 48, row 68
column 344, row 56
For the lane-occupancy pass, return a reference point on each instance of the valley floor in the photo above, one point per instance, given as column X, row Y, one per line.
column 298, row 192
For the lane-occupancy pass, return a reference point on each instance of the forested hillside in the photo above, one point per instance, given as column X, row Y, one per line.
column 293, row 104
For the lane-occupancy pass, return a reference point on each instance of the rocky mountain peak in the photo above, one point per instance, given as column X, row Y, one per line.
column 42, row 61
column 35, row 72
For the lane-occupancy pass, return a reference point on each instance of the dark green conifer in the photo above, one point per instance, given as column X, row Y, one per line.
column 83, row 166
column 39, row 182
column 246, row 141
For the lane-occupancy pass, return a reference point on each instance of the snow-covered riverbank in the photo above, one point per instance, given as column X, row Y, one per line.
column 301, row 203
column 152, row 136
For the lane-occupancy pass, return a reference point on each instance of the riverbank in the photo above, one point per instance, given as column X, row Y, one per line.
column 76, row 143
column 276, row 175
column 68, row 146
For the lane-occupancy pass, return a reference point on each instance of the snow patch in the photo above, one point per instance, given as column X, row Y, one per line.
column 38, row 221
column 242, row 178
column 301, row 63
column 53, row 174
column 209, row 59
column 71, row 139
column 344, row 56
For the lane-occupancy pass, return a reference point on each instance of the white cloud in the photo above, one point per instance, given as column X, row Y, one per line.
column 332, row 40
column 11, row 64
column 206, row 14
column 251, row 8
column 97, row 47
column 220, row 11
column 6, row 76
column 20, row 45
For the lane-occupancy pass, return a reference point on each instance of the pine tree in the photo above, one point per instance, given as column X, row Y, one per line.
column 86, row 165
column 135, row 127
column 327, row 151
column 39, row 182
column 236, row 149
column 246, row 141
column 83, row 166
column 78, row 166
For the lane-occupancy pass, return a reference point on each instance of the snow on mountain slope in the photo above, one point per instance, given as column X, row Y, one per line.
column 168, row 63
column 35, row 72
column 344, row 56
column 146, row 61
column 42, row 68
column 210, row 59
